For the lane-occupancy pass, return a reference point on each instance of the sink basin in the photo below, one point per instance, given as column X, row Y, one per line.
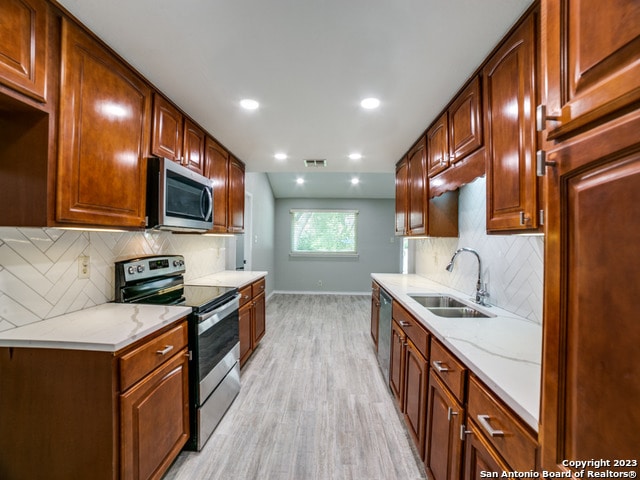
column 458, row 312
column 437, row 301
column 447, row 306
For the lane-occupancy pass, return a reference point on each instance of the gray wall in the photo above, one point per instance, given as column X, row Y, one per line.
column 377, row 252
column 262, row 228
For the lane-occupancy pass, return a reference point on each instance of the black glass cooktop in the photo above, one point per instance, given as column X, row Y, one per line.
column 205, row 297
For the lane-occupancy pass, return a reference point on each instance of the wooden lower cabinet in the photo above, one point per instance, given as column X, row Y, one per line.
column 65, row 414
column 252, row 318
column 375, row 312
column 443, row 457
column 416, row 372
column 155, row 420
column 396, row 363
column 480, row 459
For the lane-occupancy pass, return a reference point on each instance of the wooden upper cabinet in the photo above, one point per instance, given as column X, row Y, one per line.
column 194, row 144
column 167, row 138
column 402, row 181
column 103, row 141
column 592, row 61
column 217, row 161
column 417, row 189
column 465, row 122
column 23, row 49
column 236, row 196
column 509, row 79
column 438, row 145
column 176, row 137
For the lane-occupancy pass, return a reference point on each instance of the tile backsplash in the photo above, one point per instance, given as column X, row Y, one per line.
column 512, row 264
column 39, row 267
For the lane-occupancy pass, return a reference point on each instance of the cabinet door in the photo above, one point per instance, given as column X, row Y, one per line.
column 259, row 318
column 218, row 172
column 245, row 332
column 236, row 196
column 375, row 319
column 509, row 100
column 155, row 420
column 417, row 189
column 465, row 122
column 167, row 136
column 23, row 50
column 443, row 457
column 103, row 142
column 416, row 373
column 591, row 355
column 402, row 203
column 480, row 460
column 438, row 145
column 193, row 150
column 592, row 60
column 396, row 363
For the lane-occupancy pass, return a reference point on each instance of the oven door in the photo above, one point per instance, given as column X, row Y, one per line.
column 216, row 346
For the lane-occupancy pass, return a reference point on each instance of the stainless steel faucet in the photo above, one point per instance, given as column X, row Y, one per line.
column 481, row 293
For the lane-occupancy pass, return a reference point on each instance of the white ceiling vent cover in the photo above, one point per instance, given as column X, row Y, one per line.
column 315, row 163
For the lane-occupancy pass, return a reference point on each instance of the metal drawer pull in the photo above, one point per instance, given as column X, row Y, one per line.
column 437, row 364
column 165, row 350
column 484, row 422
column 404, row 324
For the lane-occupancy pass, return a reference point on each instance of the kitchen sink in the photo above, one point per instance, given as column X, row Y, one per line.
column 458, row 312
column 447, row 306
column 437, row 301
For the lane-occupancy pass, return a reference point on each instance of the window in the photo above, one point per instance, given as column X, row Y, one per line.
column 324, row 232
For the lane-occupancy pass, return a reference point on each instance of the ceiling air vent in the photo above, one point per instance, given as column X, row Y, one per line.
column 315, row 163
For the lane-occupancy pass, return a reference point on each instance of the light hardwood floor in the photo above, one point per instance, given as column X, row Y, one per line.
column 313, row 404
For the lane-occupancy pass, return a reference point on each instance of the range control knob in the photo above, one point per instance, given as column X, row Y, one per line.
column 131, row 270
column 140, row 268
column 176, row 263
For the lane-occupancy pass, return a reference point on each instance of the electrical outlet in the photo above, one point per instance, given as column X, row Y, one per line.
column 84, row 266
column 319, row 283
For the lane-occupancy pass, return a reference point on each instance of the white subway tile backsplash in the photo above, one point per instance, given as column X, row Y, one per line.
column 512, row 265
column 39, row 267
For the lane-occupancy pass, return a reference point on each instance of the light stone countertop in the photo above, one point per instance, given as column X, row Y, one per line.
column 504, row 351
column 107, row 328
column 229, row 278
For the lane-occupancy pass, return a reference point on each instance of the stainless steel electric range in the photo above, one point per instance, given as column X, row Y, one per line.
column 214, row 367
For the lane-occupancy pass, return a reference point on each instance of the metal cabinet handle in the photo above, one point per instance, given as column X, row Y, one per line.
column 437, row 364
column 404, row 324
column 450, row 413
column 165, row 350
column 542, row 117
column 464, row 432
column 484, row 422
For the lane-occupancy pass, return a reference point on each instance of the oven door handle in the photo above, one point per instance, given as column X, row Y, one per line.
column 209, row 319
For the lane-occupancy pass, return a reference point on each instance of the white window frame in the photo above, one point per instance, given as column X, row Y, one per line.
column 301, row 253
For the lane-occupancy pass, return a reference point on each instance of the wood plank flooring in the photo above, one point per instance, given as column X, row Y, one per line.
column 313, row 404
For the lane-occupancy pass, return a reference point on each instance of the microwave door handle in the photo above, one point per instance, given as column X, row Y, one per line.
column 209, row 203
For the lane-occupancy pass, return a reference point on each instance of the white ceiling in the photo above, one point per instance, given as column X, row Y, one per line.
column 308, row 63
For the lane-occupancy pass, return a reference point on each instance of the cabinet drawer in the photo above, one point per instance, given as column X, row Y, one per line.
column 245, row 295
column 505, row 432
column 448, row 369
column 257, row 287
column 412, row 329
column 139, row 362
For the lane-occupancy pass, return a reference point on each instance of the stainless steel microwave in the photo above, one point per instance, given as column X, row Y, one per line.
column 178, row 199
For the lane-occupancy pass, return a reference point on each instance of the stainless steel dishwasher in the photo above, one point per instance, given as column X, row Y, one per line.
column 384, row 334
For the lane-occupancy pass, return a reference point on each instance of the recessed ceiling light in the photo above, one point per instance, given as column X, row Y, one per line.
column 370, row 103
column 280, row 156
column 299, row 180
column 355, row 181
column 355, row 156
column 249, row 104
